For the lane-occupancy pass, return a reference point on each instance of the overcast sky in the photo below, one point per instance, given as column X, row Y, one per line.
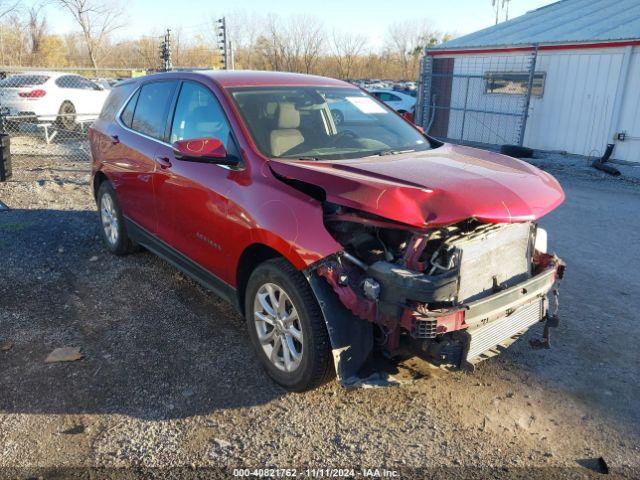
column 366, row 17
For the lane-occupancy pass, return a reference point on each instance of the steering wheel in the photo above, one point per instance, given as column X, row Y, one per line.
column 345, row 134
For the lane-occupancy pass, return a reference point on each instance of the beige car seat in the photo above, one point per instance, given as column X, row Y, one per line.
column 286, row 135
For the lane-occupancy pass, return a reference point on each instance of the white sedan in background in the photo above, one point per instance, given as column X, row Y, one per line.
column 400, row 102
column 64, row 98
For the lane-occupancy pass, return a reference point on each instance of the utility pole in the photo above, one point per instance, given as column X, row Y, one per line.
column 224, row 44
column 165, row 52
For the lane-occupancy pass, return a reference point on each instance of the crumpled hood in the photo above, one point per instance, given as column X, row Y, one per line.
column 437, row 187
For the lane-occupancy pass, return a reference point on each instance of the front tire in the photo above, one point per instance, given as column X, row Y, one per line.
column 286, row 327
column 112, row 229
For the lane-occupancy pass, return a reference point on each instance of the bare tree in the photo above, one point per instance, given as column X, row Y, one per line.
column 294, row 45
column 8, row 7
column 244, row 30
column 308, row 33
column 37, row 27
column 406, row 41
column 346, row 49
column 270, row 44
column 97, row 19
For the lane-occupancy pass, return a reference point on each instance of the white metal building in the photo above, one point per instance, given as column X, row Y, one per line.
column 585, row 88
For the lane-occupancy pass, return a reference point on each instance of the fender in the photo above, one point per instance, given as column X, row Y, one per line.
column 351, row 337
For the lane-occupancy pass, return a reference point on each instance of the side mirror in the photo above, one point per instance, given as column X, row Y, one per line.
column 206, row 150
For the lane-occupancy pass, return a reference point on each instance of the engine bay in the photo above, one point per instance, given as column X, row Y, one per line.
column 415, row 285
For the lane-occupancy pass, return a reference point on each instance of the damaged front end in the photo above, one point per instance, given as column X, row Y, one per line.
column 453, row 295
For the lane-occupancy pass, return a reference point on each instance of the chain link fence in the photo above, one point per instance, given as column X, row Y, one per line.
column 48, row 112
column 478, row 99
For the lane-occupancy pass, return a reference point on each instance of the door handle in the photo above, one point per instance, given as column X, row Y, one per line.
column 115, row 140
column 164, row 162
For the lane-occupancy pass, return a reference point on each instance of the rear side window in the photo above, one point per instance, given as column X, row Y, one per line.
column 17, row 81
column 114, row 101
column 127, row 113
column 150, row 115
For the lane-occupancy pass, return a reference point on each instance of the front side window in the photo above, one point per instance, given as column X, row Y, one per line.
column 150, row 115
column 86, row 84
column 387, row 97
column 67, row 81
column 198, row 115
column 323, row 123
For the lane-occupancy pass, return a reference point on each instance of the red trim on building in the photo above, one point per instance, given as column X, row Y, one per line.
column 564, row 46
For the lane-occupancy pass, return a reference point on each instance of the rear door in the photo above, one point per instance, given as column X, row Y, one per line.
column 192, row 196
column 71, row 91
column 134, row 141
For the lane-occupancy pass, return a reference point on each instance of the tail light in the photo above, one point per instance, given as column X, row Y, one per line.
column 33, row 93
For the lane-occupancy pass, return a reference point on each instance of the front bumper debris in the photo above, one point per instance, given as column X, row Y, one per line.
column 457, row 336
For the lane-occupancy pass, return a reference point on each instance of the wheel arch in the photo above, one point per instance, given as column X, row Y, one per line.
column 62, row 103
column 98, row 179
column 252, row 256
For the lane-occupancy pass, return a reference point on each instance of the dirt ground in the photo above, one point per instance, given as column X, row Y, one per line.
column 168, row 378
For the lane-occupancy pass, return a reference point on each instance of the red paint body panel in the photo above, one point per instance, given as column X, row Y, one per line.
column 213, row 214
column 437, row 187
column 130, row 165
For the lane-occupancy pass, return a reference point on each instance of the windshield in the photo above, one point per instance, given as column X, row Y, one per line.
column 323, row 123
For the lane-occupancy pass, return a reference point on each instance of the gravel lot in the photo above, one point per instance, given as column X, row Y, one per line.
column 168, row 378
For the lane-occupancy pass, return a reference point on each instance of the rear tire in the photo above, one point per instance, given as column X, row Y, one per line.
column 112, row 229
column 67, row 117
column 279, row 304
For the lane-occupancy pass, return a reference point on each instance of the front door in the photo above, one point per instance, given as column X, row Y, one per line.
column 193, row 197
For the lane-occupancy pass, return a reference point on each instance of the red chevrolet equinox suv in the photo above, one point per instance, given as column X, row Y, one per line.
column 336, row 240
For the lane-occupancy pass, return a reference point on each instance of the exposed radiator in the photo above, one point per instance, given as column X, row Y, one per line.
column 496, row 255
column 503, row 330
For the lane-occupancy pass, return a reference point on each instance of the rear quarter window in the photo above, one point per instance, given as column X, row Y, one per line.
column 127, row 113
column 118, row 95
column 17, row 81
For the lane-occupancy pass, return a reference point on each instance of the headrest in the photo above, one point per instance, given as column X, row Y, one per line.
column 271, row 108
column 288, row 116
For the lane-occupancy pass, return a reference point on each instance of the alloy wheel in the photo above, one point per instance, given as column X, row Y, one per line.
column 109, row 218
column 68, row 116
column 278, row 327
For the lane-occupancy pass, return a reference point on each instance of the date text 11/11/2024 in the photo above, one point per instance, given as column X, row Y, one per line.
column 316, row 473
